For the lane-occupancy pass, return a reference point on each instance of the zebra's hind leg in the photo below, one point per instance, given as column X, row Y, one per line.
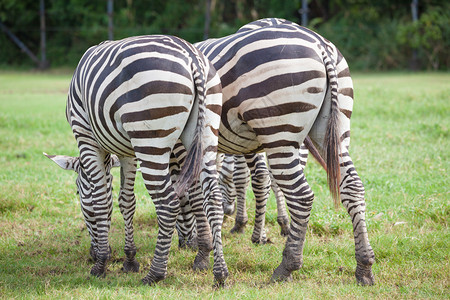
column 185, row 225
column 214, row 213
column 127, row 205
column 261, row 189
column 167, row 205
column 352, row 197
column 351, row 189
column 299, row 199
column 212, row 206
column 282, row 216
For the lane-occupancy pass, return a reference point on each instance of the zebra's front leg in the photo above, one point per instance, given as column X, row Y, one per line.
column 282, row 216
column 127, row 205
column 100, row 181
column 214, row 213
column 299, row 199
column 204, row 237
column 352, row 197
column 261, row 189
column 186, row 226
column 240, row 180
column 227, row 184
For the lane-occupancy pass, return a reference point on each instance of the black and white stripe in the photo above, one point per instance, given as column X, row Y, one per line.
column 127, row 203
column 135, row 98
column 282, row 82
column 234, row 179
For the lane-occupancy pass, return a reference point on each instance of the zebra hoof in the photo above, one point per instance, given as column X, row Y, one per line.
column 284, row 231
column 98, row 270
column 219, row 285
column 259, row 240
column 284, row 225
column 192, row 244
column 239, row 227
column 278, row 278
column 364, row 274
column 152, row 279
column 220, row 278
column 228, row 209
column 281, row 275
column 130, row 266
column 200, row 263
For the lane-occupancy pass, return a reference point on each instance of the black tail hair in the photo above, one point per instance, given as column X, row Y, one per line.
column 332, row 140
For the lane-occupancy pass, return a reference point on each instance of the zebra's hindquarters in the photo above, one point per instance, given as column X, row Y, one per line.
column 350, row 186
column 133, row 97
column 275, row 75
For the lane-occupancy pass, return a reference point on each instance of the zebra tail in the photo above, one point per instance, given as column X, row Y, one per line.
column 314, row 152
column 191, row 168
column 332, row 139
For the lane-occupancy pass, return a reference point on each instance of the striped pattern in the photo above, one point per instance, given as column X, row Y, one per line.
column 234, row 179
column 282, row 82
column 186, row 224
column 127, row 202
column 135, row 98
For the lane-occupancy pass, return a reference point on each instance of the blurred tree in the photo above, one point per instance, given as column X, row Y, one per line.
column 430, row 36
column 371, row 34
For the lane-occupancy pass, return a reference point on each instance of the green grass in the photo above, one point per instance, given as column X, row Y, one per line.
column 400, row 146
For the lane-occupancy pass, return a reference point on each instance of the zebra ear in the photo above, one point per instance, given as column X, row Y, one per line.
column 115, row 162
column 65, row 162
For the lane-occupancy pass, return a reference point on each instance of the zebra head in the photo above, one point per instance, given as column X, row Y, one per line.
column 85, row 191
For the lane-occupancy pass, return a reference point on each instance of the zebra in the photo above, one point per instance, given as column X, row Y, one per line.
column 134, row 98
column 234, row 179
column 280, row 83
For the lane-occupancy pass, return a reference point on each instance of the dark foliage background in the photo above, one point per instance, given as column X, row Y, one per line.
column 372, row 35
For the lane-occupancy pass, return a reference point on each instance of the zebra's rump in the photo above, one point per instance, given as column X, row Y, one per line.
column 135, row 88
column 274, row 82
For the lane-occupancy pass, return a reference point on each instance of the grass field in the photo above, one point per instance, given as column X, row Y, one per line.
column 400, row 146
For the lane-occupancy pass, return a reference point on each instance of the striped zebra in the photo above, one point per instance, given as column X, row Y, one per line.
column 135, row 98
column 280, row 83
